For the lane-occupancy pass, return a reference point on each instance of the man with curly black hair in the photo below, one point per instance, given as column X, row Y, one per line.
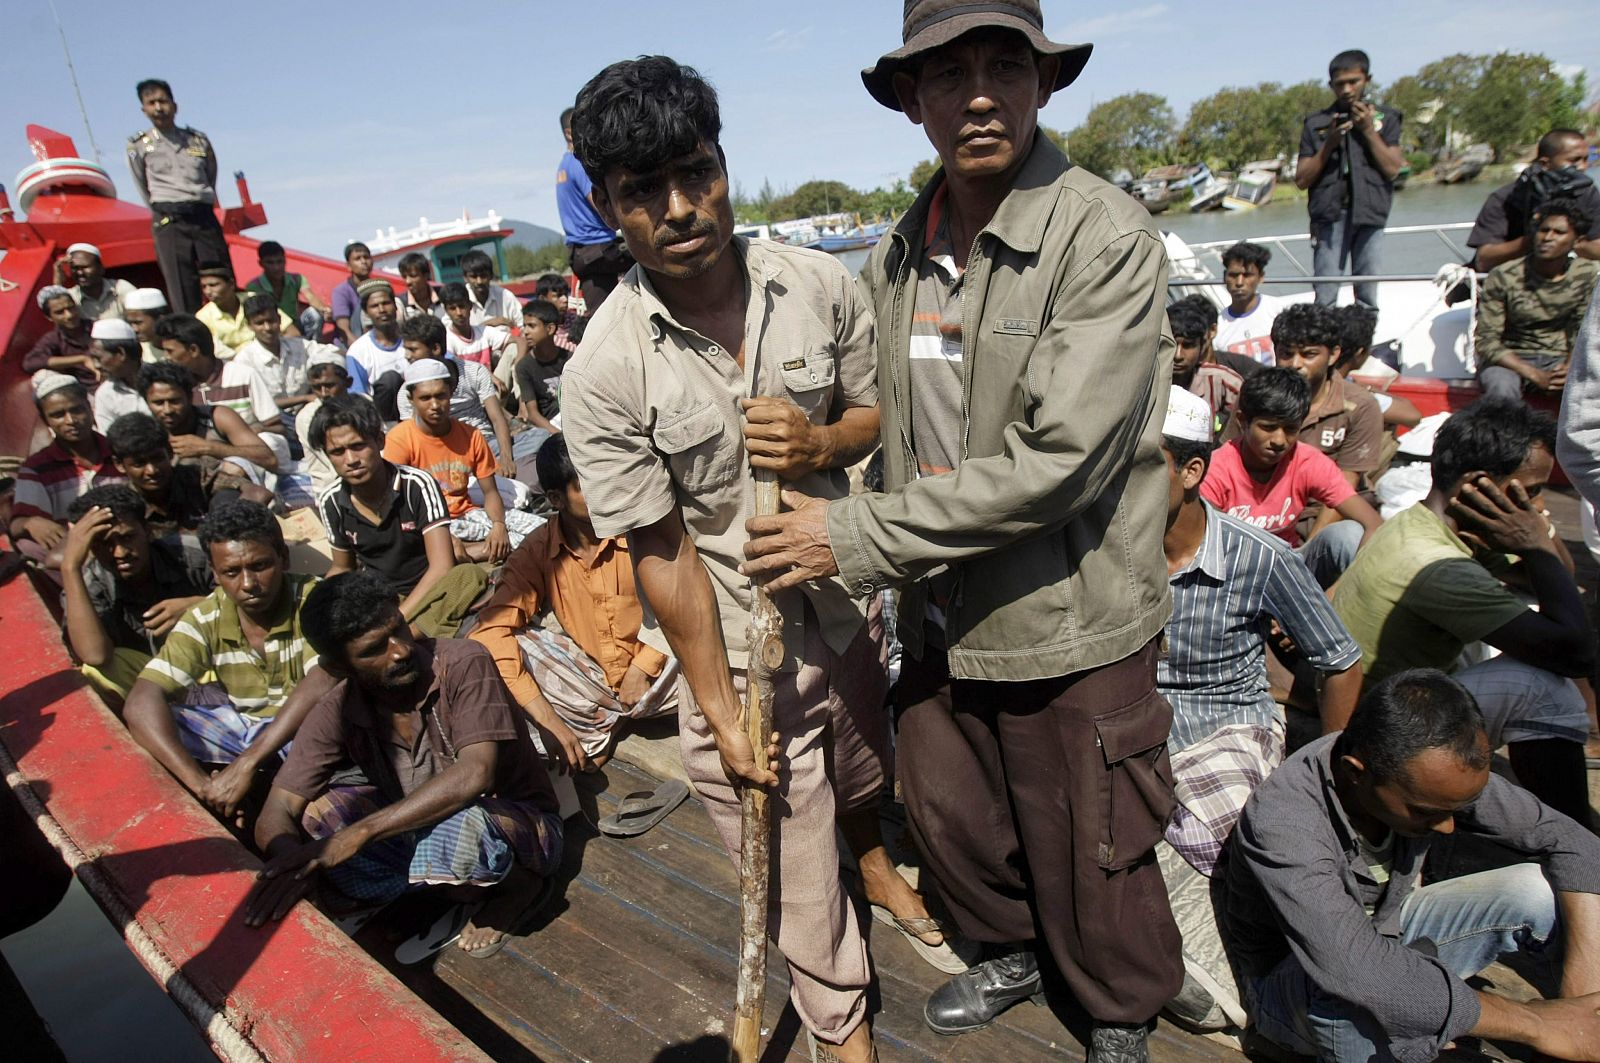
column 1345, row 422
column 1245, row 324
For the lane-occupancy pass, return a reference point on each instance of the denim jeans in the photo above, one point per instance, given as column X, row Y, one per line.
column 1331, row 550
column 1504, row 383
column 1336, row 243
column 1470, row 922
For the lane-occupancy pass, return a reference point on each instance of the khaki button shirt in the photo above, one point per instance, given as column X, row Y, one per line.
column 181, row 168
column 650, row 410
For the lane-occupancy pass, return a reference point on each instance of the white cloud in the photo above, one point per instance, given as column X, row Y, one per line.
column 787, row 40
column 1102, row 26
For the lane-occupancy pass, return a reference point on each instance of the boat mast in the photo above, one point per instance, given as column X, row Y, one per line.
column 76, row 91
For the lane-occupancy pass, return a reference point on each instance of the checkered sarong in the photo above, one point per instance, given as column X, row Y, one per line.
column 1212, row 779
column 474, row 526
column 576, row 687
column 212, row 730
column 477, row 846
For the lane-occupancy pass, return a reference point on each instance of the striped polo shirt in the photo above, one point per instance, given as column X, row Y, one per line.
column 53, row 478
column 209, row 641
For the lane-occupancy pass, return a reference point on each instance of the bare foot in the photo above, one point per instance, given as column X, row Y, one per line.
column 884, row 886
column 507, row 902
column 857, row 1048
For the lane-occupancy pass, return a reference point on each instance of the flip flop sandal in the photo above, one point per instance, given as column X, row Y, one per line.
column 443, row 932
column 643, row 809
column 547, row 893
column 942, row 956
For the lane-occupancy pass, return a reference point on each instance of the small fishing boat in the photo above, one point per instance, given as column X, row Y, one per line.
column 1464, row 167
column 1250, row 189
column 1209, row 196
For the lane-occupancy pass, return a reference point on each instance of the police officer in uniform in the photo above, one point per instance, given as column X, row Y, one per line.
column 175, row 170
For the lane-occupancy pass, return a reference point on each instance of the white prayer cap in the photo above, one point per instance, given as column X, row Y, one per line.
column 48, row 382
column 326, row 354
column 113, row 328
column 86, row 248
column 1188, row 417
column 144, row 299
column 425, row 369
column 49, row 292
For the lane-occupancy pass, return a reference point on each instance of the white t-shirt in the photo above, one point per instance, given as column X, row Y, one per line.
column 500, row 303
column 474, row 388
column 485, row 347
column 286, row 370
column 377, row 359
column 112, row 399
column 1249, row 334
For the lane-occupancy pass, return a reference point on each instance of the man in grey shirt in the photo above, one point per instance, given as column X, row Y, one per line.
column 1339, row 951
column 175, row 170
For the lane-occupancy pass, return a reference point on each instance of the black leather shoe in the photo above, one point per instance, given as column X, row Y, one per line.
column 1119, row 1044
column 973, row 999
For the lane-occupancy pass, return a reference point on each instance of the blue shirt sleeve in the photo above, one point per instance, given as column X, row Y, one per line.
column 360, row 384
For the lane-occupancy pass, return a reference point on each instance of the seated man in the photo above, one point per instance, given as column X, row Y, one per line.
column 377, row 358
column 390, row 519
column 1342, row 954
column 458, row 458
column 223, row 312
column 124, row 590
column 579, row 685
column 1344, row 421
column 1430, row 582
column 349, row 319
column 466, row 803
column 65, row 348
column 553, row 288
column 1211, row 354
column 1216, row 384
column 420, row 297
column 288, row 291
column 537, row 374
column 175, row 496
column 1359, row 367
column 143, row 309
column 98, row 297
column 475, row 401
column 280, row 359
column 230, row 455
column 231, row 383
column 1266, row 477
column 1245, row 325
column 50, row 480
column 236, row 675
column 491, row 304
column 1530, row 308
column 116, row 356
column 1229, row 581
column 486, row 345
column 1502, row 231
column 327, row 378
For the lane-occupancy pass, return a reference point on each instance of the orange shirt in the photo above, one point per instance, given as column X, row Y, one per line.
column 596, row 604
column 454, row 459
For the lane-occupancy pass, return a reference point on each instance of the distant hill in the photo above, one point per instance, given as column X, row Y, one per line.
column 530, row 235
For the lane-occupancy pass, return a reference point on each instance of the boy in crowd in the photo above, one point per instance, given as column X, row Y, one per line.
column 280, row 359
column 230, row 455
column 348, row 316
column 420, row 296
column 1345, row 954
column 223, row 312
column 50, row 480
column 1344, row 421
column 390, row 519
column 1431, row 582
column 1216, row 384
column 327, row 378
column 474, row 402
column 143, row 309
column 1359, row 367
column 454, row 455
column 466, row 342
column 478, row 815
column 1530, row 308
column 246, row 636
column 580, row 685
column 537, row 374
column 124, row 589
column 98, row 297
column 491, row 304
column 115, row 349
column 377, row 358
column 1242, row 364
column 288, row 290
column 1229, row 581
column 235, row 385
column 552, row 288
column 65, row 348
column 1266, row 476
column 1245, row 324
column 176, row 498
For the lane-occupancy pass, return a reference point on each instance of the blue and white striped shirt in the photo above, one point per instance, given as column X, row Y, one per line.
column 1214, row 672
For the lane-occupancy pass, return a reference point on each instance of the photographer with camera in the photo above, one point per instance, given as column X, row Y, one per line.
column 1502, row 231
column 1349, row 156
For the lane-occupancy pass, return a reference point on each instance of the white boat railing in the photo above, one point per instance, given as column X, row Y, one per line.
column 1304, row 275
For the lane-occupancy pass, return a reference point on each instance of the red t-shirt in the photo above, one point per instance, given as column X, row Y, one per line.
column 1306, row 475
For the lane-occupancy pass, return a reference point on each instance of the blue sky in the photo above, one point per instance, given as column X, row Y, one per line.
column 350, row 116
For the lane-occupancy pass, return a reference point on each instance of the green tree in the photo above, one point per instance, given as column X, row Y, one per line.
column 1517, row 98
column 816, row 197
column 1133, row 131
column 1237, row 125
column 889, row 201
column 522, row 261
column 922, row 173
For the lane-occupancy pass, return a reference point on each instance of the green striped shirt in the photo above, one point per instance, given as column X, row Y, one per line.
column 208, row 643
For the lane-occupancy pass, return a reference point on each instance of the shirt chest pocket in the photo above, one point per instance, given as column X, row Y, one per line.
column 809, row 381
column 698, row 448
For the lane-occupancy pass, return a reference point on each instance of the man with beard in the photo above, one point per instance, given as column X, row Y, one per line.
column 236, row 675
column 1502, row 231
column 706, row 327
column 143, row 309
column 228, row 452
column 51, row 479
column 97, row 296
column 378, row 355
column 1024, row 515
column 454, row 793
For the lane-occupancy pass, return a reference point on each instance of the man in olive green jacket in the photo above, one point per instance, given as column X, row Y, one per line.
column 1022, row 384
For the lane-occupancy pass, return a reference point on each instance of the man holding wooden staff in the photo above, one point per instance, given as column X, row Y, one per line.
column 715, row 357
column 1024, row 366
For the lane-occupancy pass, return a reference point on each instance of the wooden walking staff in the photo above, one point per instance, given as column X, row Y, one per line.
column 764, row 637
